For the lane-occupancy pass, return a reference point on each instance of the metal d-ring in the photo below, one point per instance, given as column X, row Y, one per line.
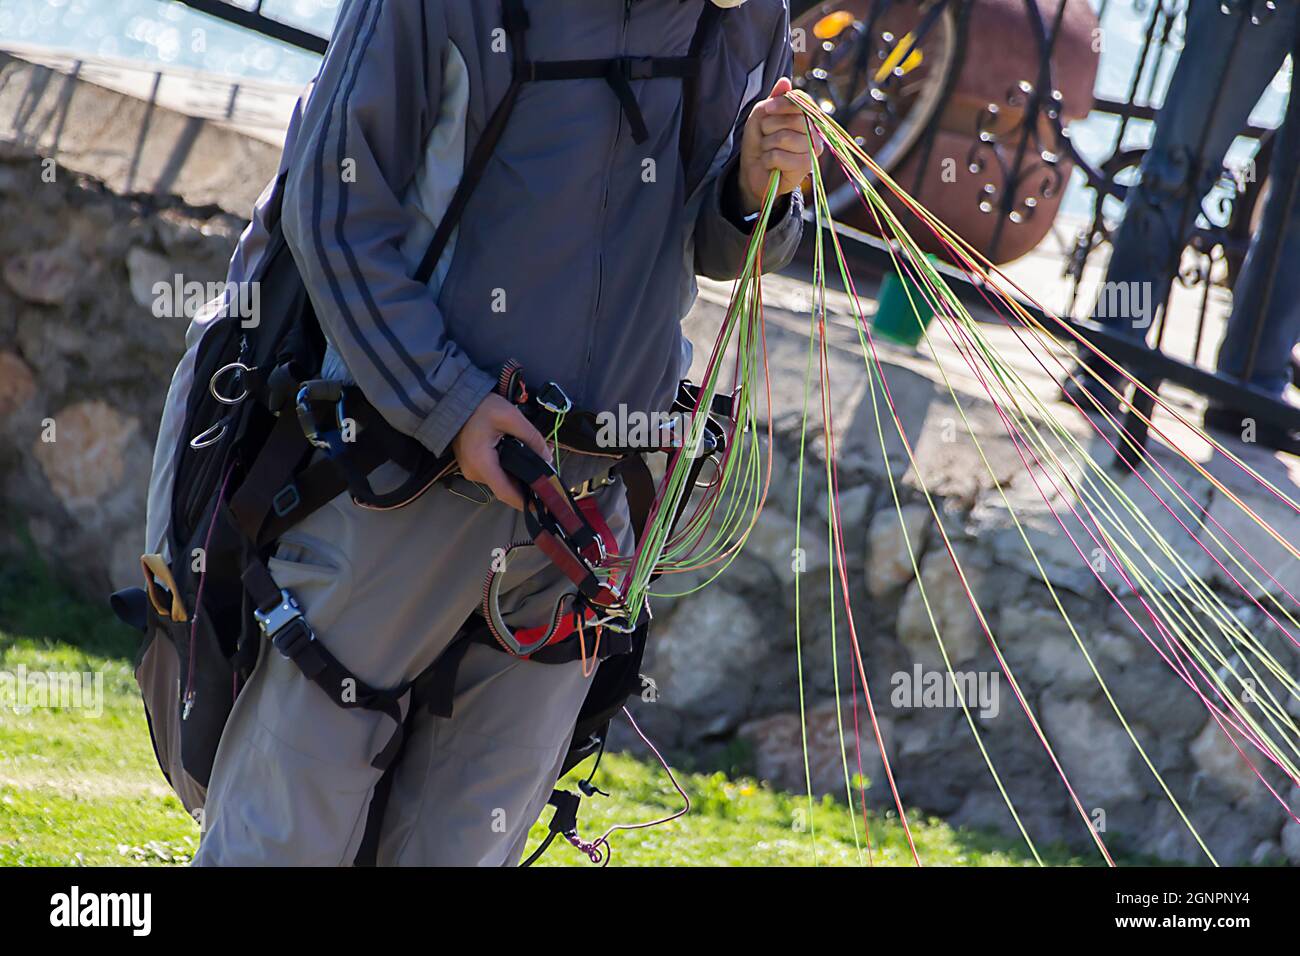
column 202, row 440
column 212, row 382
column 717, row 474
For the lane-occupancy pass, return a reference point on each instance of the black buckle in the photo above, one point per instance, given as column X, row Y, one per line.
column 284, row 626
column 285, row 500
column 638, row 67
column 320, row 412
column 292, row 639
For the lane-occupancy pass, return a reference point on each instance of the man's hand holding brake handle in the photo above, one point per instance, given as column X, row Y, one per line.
column 475, row 446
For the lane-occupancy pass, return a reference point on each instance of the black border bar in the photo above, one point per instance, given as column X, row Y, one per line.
column 260, row 23
column 869, row 252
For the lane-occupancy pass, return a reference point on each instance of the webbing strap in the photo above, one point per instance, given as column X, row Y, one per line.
column 625, row 67
column 639, row 484
column 279, row 457
column 296, row 641
column 514, row 18
column 543, row 484
column 434, row 691
column 705, row 28
column 619, row 72
column 612, row 644
column 368, row 851
column 278, row 492
column 565, row 561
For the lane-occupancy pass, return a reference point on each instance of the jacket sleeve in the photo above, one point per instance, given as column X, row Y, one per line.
column 363, row 134
column 720, row 239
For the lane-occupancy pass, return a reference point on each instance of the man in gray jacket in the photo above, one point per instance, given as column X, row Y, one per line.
column 576, row 256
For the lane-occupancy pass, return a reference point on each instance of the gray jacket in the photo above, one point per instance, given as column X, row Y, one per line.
column 578, row 252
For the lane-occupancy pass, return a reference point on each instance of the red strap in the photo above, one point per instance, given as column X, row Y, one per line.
column 597, row 521
column 569, row 625
column 565, row 560
column 566, row 627
column 556, row 501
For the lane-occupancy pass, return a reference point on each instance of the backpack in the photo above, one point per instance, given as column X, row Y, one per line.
column 261, row 449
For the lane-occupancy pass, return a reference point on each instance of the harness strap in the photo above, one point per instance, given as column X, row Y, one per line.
column 514, row 19
column 575, row 570
column 281, row 622
column 619, row 72
column 554, row 497
column 705, row 28
column 433, row 691
column 640, row 486
column 624, row 68
column 544, row 484
column 278, row 492
column 612, row 644
column 271, row 470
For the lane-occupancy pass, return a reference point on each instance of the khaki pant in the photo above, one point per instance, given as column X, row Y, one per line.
column 386, row 592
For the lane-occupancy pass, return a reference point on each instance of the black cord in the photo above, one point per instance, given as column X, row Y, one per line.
column 586, row 786
column 542, row 848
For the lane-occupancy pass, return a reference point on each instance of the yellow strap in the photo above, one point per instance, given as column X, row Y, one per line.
column 155, row 570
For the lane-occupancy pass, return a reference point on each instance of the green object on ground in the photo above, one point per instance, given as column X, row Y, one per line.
column 897, row 318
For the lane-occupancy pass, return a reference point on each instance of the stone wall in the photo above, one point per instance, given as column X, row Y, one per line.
column 84, row 362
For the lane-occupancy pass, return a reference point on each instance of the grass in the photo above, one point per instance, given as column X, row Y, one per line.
column 744, row 822
column 79, row 786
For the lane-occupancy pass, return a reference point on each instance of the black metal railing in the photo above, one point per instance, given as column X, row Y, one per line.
column 257, row 21
column 1021, row 163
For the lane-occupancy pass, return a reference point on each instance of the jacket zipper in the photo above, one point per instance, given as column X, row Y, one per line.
column 604, row 203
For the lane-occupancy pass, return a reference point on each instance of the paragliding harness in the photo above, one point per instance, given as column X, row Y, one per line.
column 266, row 443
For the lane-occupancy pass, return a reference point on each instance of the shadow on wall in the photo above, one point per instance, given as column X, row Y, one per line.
column 220, row 150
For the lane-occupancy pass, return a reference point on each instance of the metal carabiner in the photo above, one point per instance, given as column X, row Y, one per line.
column 591, row 486
column 320, row 431
column 717, row 474
column 552, row 406
column 202, row 440
column 231, row 366
column 600, row 547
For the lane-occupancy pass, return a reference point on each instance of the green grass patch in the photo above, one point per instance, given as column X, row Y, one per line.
column 744, row 822
column 79, row 785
